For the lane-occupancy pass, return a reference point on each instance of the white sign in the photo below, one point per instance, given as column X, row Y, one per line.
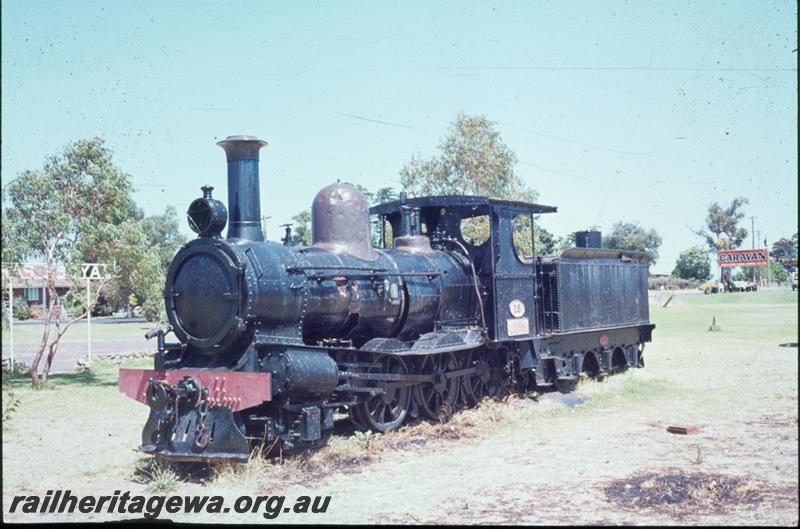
column 93, row 270
column 517, row 326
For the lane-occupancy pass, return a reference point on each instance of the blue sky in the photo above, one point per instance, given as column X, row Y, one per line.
column 636, row 111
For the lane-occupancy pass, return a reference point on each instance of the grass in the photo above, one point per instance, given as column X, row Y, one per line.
column 251, row 476
column 79, row 427
column 159, row 477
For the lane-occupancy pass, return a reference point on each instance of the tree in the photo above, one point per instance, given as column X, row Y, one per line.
column 163, row 234
column 472, row 160
column 785, row 249
column 138, row 268
column 632, row 236
column 693, row 264
column 564, row 243
column 302, row 228
column 49, row 213
column 544, row 243
column 722, row 230
column 777, row 272
column 383, row 195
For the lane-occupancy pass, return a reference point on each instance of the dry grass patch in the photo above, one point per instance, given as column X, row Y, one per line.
column 679, row 494
column 158, row 477
column 350, row 454
column 250, row 476
column 267, row 469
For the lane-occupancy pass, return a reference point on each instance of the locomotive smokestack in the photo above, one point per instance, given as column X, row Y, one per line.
column 244, row 204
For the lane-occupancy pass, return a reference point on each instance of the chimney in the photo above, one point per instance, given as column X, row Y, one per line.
column 244, row 205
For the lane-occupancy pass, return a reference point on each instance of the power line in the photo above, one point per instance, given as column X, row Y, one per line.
column 374, row 120
column 577, row 142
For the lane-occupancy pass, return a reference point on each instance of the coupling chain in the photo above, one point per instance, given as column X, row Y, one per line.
column 201, row 436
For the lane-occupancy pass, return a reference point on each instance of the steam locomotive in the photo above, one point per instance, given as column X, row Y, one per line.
column 271, row 340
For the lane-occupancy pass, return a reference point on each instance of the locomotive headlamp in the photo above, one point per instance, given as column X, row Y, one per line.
column 207, row 216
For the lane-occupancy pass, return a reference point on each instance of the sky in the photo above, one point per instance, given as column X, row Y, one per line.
column 618, row 111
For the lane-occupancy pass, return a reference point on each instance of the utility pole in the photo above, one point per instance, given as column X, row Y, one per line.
column 769, row 264
column 11, row 317
column 753, row 234
column 89, row 321
column 759, row 272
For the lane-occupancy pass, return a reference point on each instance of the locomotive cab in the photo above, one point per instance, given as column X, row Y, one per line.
column 496, row 236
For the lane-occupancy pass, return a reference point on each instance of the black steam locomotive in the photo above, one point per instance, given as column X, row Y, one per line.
column 274, row 339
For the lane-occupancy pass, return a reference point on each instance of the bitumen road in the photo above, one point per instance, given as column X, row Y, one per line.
column 69, row 352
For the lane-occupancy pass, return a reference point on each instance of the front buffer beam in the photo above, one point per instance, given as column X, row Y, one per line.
column 192, row 412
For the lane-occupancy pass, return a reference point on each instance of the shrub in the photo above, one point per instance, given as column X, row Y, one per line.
column 693, row 264
column 103, row 307
column 37, row 311
column 74, row 301
column 153, row 309
column 10, row 405
column 671, row 283
column 21, row 311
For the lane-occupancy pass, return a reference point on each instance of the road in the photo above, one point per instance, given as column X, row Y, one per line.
column 74, row 346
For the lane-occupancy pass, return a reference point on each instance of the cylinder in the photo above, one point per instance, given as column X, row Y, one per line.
column 244, row 204
column 304, row 373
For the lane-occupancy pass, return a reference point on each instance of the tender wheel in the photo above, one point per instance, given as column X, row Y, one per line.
column 618, row 362
column 386, row 411
column 437, row 399
column 590, row 366
column 474, row 386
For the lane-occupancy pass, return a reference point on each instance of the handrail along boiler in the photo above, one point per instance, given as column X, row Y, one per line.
column 271, row 339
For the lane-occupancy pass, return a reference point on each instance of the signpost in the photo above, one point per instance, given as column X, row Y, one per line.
column 90, row 272
column 11, row 318
column 757, row 257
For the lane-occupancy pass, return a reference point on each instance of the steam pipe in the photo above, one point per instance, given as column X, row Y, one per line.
column 244, row 204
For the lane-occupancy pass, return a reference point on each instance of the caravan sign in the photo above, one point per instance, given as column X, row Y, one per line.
column 757, row 257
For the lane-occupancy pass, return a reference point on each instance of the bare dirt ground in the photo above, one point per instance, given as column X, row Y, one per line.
column 600, row 456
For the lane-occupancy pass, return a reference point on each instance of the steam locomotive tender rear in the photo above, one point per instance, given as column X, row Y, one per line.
column 272, row 338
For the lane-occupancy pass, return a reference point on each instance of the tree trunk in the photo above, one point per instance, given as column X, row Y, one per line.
column 51, row 352
column 35, row 381
column 60, row 332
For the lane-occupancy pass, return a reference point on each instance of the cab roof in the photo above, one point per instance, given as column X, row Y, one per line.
column 449, row 201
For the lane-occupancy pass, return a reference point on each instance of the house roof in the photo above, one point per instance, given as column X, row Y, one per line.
column 35, row 276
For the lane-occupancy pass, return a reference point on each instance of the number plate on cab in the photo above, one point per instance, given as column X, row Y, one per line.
column 517, row 326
